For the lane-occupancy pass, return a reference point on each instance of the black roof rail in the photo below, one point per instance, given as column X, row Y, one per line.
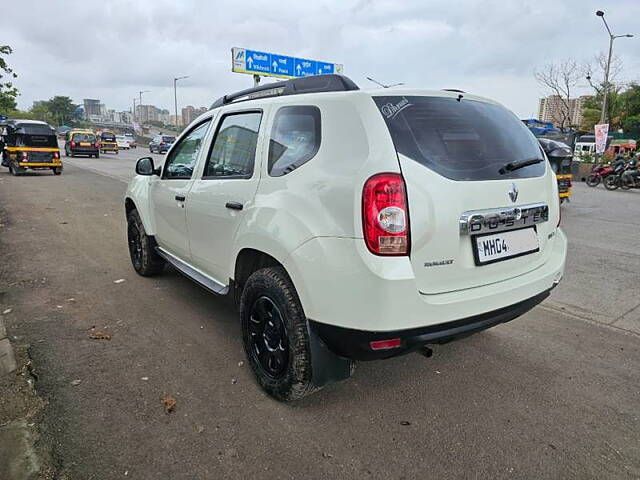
column 295, row 86
column 453, row 90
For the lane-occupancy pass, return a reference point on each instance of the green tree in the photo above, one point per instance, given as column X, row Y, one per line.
column 8, row 92
column 62, row 110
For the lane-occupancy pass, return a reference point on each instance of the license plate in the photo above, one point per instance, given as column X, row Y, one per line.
column 84, row 144
column 504, row 245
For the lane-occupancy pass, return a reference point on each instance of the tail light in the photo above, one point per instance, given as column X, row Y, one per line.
column 56, row 155
column 161, row 143
column 25, row 156
column 97, row 144
column 73, row 144
column 385, row 344
column 385, row 216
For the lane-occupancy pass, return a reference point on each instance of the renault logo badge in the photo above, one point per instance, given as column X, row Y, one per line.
column 513, row 193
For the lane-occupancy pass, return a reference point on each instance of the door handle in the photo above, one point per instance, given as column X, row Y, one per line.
column 234, row 205
column 180, row 198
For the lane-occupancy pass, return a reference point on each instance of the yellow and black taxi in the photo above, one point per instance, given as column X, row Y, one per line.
column 108, row 142
column 560, row 158
column 29, row 145
column 82, row 142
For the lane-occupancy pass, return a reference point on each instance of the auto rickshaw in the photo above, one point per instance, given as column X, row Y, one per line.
column 560, row 157
column 108, row 142
column 29, row 145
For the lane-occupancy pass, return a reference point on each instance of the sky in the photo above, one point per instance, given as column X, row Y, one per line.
column 111, row 50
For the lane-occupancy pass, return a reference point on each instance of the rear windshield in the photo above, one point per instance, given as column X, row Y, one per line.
column 460, row 140
column 84, row 137
column 108, row 137
column 169, row 139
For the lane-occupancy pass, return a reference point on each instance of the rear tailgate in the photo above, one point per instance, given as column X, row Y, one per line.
column 450, row 154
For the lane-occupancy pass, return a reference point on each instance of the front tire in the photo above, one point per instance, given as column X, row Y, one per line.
column 593, row 180
column 611, row 182
column 275, row 335
column 145, row 260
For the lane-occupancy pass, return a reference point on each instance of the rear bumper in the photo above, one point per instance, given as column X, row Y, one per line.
column 355, row 344
column 40, row 165
column 84, row 151
column 341, row 284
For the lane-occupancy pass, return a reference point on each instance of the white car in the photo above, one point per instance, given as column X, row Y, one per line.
column 349, row 224
column 131, row 140
column 123, row 143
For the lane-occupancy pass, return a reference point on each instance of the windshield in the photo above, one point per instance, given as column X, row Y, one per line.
column 168, row 139
column 84, row 137
column 460, row 140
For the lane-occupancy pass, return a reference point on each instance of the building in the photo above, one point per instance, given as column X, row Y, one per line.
column 190, row 113
column 91, row 108
column 169, row 119
column 552, row 109
column 147, row 113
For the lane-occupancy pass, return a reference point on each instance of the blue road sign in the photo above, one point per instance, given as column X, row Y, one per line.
column 273, row 65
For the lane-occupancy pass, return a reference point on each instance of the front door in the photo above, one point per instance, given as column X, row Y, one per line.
column 219, row 199
column 169, row 193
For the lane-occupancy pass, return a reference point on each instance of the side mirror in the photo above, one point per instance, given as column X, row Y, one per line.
column 145, row 166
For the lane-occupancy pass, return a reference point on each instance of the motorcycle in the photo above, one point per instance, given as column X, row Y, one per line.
column 630, row 178
column 598, row 173
column 613, row 181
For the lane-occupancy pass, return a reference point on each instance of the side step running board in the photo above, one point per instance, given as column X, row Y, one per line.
column 188, row 271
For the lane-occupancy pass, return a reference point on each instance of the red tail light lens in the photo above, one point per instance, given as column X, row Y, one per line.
column 97, row 145
column 56, row 155
column 73, row 144
column 385, row 344
column 25, row 155
column 385, row 215
column 161, row 143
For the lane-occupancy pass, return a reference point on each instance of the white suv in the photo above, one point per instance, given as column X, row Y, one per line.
column 352, row 225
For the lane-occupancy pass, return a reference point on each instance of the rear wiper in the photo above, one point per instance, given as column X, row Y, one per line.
column 511, row 166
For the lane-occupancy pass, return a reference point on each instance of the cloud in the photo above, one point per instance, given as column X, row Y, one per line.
column 111, row 50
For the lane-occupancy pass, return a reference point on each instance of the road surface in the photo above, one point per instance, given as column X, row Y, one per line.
column 553, row 394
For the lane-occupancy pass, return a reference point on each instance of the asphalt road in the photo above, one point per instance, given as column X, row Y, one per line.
column 553, row 394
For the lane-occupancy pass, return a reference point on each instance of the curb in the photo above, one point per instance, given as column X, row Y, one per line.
column 7, row 357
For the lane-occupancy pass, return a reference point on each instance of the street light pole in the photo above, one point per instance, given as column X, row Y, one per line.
column 133, row 113
column 605, row 87
column 175, row 96
column 141, row 92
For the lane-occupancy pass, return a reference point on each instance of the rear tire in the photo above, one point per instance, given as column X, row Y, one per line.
column 56, row 170
column 275, row 335
column 145, row 260
column 98, row 155
column 593, row 180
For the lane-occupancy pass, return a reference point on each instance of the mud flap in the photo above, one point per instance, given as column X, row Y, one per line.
column 327, row 367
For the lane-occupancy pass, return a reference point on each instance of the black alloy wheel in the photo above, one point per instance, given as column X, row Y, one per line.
column 269, row 342
column 593, row 180
column 135, row 245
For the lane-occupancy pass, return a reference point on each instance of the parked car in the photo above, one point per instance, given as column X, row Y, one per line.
column 122, row 142
column 132, row 140
column 351, row 225
column 161, row 143
column 82, row 142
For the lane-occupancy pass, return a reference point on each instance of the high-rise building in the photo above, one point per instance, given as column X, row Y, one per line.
column 147, row 113
column 554, row 109
column 91, row 108
column 190, row 113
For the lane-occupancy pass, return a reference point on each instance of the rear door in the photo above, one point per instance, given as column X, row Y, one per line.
column 218, row 200
column 474, row 219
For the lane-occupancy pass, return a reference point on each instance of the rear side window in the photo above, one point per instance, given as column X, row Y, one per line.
column 460, row 140
column 233, row 152
column 295, row 138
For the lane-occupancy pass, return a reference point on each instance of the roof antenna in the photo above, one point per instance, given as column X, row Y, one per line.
column 383, row 85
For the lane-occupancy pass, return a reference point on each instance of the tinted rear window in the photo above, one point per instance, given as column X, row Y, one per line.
column 460, row 140
column 84, row 137
column 169, row 139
